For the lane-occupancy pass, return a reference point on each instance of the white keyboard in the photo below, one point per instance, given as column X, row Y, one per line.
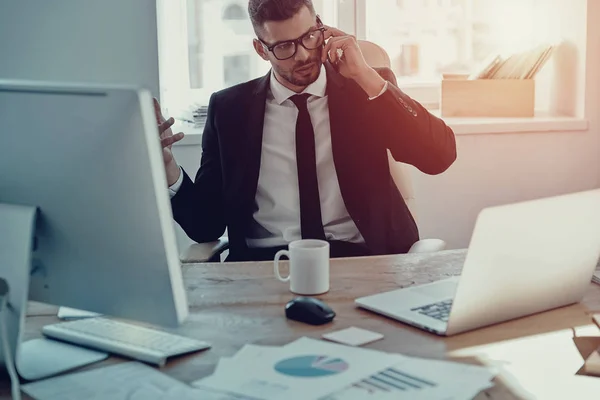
column 137, row 342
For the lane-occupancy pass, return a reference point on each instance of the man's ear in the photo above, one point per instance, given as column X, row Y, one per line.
column 260, row 49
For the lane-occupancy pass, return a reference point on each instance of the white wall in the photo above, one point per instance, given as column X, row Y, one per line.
column 107, row 41
column 501, row 168
column 104, row 41
column 494, row 169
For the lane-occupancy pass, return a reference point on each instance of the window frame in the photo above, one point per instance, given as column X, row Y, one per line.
column 425, row 91
column 349, row 16
column 175, row 89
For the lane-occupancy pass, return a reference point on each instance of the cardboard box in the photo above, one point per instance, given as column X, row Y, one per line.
column 487, row 97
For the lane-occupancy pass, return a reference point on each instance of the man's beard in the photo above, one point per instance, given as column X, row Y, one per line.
column 304, row 81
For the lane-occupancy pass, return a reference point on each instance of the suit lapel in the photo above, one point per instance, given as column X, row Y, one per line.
column 340, row 122
column 340, row 102
column 253, row 132
column 346, row 133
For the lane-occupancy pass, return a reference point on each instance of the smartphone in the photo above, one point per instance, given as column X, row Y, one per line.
column 335, row 65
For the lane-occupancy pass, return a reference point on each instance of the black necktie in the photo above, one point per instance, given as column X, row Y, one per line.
column 311, row 224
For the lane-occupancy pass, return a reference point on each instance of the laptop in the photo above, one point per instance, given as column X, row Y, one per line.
column 523, row 258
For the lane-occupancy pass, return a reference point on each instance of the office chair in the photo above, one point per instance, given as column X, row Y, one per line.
column 375, row 56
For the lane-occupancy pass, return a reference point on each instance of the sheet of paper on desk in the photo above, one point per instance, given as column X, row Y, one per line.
column 130, row 380
column 304, row 369
column 260, row 372
column 190, row 393
column 417, row 378
column 126, row 381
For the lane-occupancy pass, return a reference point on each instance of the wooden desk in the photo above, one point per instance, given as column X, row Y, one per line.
column 239, row 303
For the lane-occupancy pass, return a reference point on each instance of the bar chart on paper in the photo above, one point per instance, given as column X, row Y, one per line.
column 419, row 379
column 387, row 382
column 393, row 379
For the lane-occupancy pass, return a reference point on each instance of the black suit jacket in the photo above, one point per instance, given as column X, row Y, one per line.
column 223, row 193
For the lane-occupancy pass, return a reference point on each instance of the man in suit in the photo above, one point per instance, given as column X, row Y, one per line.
column 302, row 152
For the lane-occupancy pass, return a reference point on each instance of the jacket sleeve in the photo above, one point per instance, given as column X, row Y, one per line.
column 198, row 206
column 413, row 135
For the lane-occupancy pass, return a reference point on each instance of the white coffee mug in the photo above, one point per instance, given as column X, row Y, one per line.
column 309, row 266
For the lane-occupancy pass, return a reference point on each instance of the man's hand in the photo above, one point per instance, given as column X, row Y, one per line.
column 343, row 50
column 167, row 139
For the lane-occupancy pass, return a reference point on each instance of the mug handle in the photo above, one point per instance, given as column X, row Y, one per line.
column 279, row 254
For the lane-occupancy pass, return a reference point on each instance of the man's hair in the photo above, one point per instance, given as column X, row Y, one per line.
column 261, row 11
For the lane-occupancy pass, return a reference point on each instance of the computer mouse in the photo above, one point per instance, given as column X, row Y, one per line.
column 309, row 310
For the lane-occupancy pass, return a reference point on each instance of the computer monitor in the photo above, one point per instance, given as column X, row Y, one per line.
column 88, row 158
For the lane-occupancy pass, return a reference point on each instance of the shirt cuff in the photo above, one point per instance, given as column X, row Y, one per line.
column 174, row 188
column 385, row 87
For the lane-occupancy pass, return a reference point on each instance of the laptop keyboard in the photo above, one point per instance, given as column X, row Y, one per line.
column 439, row 310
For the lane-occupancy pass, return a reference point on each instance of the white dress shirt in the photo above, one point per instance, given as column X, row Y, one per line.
column 277, row 219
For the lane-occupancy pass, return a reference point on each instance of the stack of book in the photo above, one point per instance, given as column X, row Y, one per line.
column 200, row 115
column 596, row 277
column 523, row 65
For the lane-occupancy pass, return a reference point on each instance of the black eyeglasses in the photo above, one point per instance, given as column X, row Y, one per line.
column 310, row 41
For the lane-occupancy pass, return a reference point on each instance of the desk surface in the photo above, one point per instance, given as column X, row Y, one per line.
column 238, row 303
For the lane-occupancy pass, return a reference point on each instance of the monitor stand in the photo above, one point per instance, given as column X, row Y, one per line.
column 37, row 358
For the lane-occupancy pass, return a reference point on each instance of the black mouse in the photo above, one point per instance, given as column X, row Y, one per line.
column 309, row 310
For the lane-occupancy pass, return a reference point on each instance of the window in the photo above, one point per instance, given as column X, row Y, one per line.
column 427, row 38
column 206, row 45
column 219, row 37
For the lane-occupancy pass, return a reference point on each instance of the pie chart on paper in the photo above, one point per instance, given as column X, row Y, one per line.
column 311, row 366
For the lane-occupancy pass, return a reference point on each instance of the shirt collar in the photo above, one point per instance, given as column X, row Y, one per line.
column 281, row 93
